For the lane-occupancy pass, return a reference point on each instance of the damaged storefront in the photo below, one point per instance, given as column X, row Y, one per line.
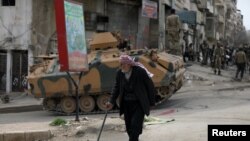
column 13, row 70
column 15, row 21
column 123, row 18
column 3, row 60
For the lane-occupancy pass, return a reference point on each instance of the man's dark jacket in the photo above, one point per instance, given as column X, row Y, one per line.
column 143, row 88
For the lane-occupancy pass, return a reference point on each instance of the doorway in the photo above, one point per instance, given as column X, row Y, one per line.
column 19, row 70
column 3, row 60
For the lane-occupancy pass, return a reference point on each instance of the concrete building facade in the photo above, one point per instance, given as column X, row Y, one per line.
column 15, row 35
column 220, row 17
column 233, row 23
column 27, row 28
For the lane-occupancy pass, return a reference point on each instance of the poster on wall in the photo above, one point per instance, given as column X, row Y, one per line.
column 72, row 47
column 149, row 9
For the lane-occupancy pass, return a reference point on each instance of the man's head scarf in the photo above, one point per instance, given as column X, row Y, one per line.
column 125, row 59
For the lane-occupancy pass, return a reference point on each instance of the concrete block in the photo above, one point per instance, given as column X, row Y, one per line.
column 14, row 136
column 1, row 136
column 38, row 135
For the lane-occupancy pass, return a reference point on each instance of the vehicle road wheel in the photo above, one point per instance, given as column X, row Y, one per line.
column 102, row 100
column 87, row 103
column 68, row 105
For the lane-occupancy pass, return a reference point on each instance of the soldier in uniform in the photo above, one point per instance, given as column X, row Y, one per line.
column 205, row 52
column 218, row 54
column 184, row 48
column 173, row 33
column 153, row 56
column 240, row 60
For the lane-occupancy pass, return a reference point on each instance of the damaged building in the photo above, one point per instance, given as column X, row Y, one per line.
column 27, row 28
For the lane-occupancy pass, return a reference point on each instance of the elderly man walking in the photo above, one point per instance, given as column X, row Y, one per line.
column 137, row 95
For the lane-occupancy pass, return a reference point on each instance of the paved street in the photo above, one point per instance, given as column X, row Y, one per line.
column 42, row 40
column 204, row 99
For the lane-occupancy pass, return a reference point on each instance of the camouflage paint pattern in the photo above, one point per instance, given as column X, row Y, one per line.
column 101, row 75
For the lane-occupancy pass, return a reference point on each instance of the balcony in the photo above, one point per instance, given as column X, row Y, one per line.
column 230, row 5
column 219, row 2
column 182, row 4
column 186, row 4
column 205, row 5
column 202, row 4
column 220, row 29
column 221, row 19
column 210, row 7
column 209, row 28
column 199, row 17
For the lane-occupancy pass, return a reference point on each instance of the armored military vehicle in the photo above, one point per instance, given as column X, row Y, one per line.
column 58, row 91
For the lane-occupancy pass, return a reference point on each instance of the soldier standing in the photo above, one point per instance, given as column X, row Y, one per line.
column 240, row 60
column 173, row 30
column 218, row 54
column 205, row 52
column 184, row 48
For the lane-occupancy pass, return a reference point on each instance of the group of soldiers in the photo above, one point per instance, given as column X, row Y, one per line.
column 221, row 56
column 218, row 55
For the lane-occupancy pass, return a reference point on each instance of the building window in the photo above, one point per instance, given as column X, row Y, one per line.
column 8, row 2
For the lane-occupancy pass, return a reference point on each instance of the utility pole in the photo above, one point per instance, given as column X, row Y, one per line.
column 214, row 19
column 162, row 29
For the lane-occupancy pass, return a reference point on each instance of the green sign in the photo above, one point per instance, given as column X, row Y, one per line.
column 75, row 34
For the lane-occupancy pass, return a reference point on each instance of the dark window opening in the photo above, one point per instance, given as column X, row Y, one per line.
column 19, row 70
column 3, row 60
column 8, row 2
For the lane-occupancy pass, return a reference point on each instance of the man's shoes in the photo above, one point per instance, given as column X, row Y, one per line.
column 219, row 73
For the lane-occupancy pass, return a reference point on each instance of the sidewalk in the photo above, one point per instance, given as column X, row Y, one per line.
column 20, row 102
column 41, row 135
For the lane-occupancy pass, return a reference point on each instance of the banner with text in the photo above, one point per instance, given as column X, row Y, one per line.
column 71, row 36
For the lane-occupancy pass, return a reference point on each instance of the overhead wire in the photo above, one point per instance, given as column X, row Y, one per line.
column 9, row 31
column 4, row 41
column 6, row 28
column 2, row 23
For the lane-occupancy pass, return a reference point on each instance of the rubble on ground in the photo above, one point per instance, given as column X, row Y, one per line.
column 88, row 128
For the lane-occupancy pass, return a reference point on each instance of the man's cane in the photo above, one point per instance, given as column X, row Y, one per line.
column 106, row 113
